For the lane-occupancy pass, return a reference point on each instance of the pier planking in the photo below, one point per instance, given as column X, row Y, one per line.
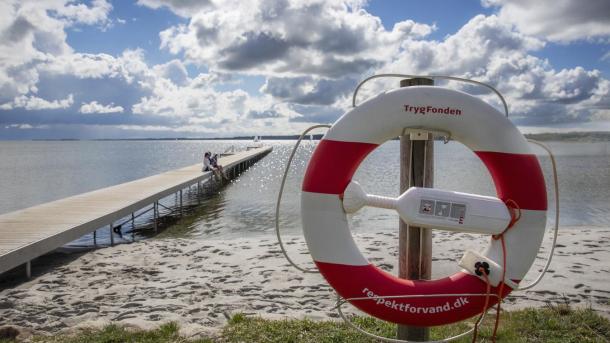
column 32, row 232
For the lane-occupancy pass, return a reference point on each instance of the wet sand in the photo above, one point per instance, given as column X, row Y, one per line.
column 200, row 284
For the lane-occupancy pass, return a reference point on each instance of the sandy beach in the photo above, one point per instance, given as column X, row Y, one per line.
column 200, row 283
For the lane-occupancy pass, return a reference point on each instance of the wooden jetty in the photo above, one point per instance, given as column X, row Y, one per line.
column 29, row 233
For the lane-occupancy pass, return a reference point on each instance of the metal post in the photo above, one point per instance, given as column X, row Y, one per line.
column 95, row 238
column 28, row 269
column 111, row 235
column 133, row 227
column 415, row 243
column 156, row 214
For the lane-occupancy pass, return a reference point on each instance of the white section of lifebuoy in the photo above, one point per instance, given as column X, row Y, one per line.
column 522, row 243
column 385, row 116
column 332, row 246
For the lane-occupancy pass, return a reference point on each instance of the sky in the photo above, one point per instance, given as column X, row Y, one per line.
column 105, row 69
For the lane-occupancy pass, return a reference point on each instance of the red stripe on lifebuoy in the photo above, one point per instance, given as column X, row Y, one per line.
column 333, row 164
column 369, row 282
column 517, row 177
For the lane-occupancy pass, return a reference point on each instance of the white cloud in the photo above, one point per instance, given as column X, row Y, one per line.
column 309, row 56
column 171, row 100
column 557, row 20
column 82, row 14
column 467, row 51
column 288, row 38
column 173, row 70
column 183, row 8
column 95, row 107
column 490, row 50
column 321, row 65
column 325, row 46
column 33, row 32
column 35, row 103
column 20, row 126
column 130, row 65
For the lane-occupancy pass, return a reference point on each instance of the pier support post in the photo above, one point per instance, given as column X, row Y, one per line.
column 95, row 238
column 180, row 203
column 198, row 192
column 133, row 227
column 155, row 215
column 28, row 269
column 415, row 243
column 111, row 234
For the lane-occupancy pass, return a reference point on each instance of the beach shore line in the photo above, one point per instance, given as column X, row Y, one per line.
column 201, row 283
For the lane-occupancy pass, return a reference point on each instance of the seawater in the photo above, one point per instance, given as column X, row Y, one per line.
column 34, row 172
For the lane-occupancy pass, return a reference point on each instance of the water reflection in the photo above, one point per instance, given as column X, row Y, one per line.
column 37, row 172
column 247, row 206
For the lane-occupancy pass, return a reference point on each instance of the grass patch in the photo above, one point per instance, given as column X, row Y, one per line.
column 550, row 324
column 119, row 334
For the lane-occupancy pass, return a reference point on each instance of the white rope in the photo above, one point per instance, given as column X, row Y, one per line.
column 279, row 200
column 556, row 230
column 341, row 301
column 445, row 77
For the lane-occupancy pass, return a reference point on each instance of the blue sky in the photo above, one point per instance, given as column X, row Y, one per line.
column 171, row 68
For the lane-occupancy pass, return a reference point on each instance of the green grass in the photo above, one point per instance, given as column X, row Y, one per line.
column 552, row 324
column 557, row 323
column 118, row 334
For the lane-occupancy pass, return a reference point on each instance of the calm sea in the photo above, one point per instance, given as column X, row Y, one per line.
column 34, row 172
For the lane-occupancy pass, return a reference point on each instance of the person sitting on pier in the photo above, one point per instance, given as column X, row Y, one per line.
column 210, row 163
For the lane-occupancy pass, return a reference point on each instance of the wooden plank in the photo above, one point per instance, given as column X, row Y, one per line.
column 28, row 233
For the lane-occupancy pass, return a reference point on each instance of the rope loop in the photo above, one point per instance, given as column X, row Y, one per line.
column 515, row 214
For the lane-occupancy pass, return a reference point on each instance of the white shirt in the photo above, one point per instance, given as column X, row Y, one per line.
column 207, row 164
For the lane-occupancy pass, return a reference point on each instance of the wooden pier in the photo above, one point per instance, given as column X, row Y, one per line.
column 32, row 232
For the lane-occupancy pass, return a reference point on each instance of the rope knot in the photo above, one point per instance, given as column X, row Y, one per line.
column 515, row 214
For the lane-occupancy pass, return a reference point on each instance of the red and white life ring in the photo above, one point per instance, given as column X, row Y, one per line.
column 494, row 139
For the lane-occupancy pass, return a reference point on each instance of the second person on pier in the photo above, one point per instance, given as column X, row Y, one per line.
column 210, row 163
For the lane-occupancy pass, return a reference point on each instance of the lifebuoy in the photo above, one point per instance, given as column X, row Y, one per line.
column 495, row 140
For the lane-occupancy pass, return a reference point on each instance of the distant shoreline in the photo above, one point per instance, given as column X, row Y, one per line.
column 594, row 136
